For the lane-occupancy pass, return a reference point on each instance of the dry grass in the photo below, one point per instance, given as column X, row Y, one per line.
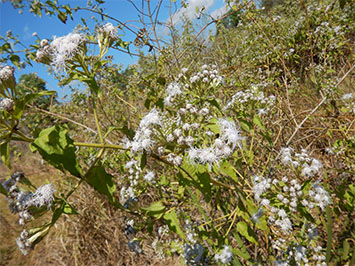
column 94, row 237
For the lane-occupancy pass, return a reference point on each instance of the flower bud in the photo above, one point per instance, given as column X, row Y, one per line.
column 7, row 79
column 7, row 104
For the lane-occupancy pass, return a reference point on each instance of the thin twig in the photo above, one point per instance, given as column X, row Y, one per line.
column 66, row 119
column 316, row 108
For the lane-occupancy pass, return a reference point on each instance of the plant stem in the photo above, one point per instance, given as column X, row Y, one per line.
column 98, row 145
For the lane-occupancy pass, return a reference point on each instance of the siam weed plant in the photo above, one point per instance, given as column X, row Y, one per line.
column 217, row 162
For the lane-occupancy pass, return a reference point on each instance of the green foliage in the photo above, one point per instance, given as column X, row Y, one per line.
column 32, row 84
column 56, row 147
column 102, row 182
column 208, row 137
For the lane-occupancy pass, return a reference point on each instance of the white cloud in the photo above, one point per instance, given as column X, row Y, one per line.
column 219, row 12
column 26, row 33
column 190, row 11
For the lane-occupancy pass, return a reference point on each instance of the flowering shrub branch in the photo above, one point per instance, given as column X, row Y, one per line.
column 207, row 158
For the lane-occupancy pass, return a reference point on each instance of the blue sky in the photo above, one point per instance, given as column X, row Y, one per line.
column 46, row 27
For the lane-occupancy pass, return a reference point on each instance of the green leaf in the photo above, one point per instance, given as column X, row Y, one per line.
column 213, row 126
column 20, row 104
column 257, row 121
column 160, row 103
column 161, row 81
column 57, row 213
column 62, row 16
column 5, row 153
column 68, row 209
column 342, row 3
column 15, row 59
column 102, row 182
column 213, row 102
column 245, row 230
column 242, row 251
column 345, row 251
column 245, row 125
column 143, row 160
column 156, row 209
column 3, row 190
column 57, row 148
column 173, row 222
column 203, row 183
column 228, row 170
column 129, row 132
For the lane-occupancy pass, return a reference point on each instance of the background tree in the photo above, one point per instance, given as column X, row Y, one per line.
column 33, row 120
column 269, row 4
column 31, row 83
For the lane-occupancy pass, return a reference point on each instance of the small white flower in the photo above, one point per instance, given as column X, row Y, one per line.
column 189, row 140
column 43, row 43
column 110, row 30
column 149, row 177
column 186, row 126
column 170, row 138
column 177, row 132
column 282, row 213
column 172, row 90
column 184, row 70
column 194, row 79
column 152, row 118
column 43, row 196
column 225, row 256
column 204, row 111
column 347, row 96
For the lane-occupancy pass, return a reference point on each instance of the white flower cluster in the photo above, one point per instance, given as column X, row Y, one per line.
column 7, row 79
column 174, row 159
column 223, row 147
column 309, row 166
column 110, row 30
column 261, row 185
column 252, row 95
column 7, row 104
column 290, row 195
column 193, row 251
column 149, row 177
column 225, row 256
column 64, row 48
column 42, row 196
column 319, row 196
column 60, row 50
column 6, row 72
column 296, row 254
column 21, row 202
column 23, row 243
column 127, row 193
column 133, row 172
column 349, row 101
column 173, row 90
column 290, row 192
column 300, row 255
column 280, row 218
column 143, row 139
column 208, row 75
